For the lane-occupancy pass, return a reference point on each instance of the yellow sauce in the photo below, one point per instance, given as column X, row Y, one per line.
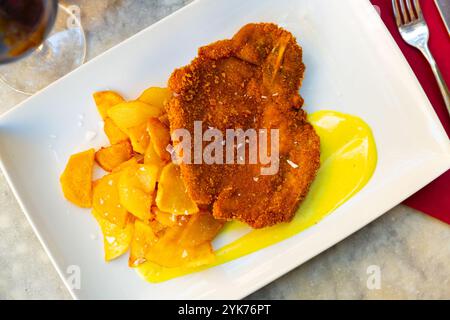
column 348, row 160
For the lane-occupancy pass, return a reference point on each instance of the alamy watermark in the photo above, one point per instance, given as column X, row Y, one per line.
column 374, row 277
column 74, row 277
column 252, row 146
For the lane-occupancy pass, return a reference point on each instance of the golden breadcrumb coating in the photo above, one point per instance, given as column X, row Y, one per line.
column 249, row 81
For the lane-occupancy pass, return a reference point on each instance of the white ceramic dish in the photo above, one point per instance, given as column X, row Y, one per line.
column 353, row 66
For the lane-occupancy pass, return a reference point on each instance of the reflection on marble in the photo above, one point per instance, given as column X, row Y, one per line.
column 411, row 249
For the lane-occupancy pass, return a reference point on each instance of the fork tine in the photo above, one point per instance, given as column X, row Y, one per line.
column 412, row 14
column 418, row 8
column 397, row 14
column 404, row 12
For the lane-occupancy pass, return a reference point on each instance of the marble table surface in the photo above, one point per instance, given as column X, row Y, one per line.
column 407, row 251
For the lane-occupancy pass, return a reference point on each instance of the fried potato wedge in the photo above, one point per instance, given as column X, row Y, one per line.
column 136, row 187
column 172, row 196
column 168, row 251
column 143, row 239
column 106, row 201
column 132, row 113
column 157, row 227
column 116, row 240
column 201, row 227
column 105, row 100
column 170, row 247
column 140, row 139
column 113, row 132
column 164, row 218
column 110, row 157
column 156, row 96
column 129, row 163
column 152, row 158
column 76, row 180
column 159, row 137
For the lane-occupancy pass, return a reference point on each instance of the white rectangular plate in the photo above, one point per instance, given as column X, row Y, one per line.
column 353, row 66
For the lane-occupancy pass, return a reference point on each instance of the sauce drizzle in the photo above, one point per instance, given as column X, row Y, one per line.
column 348, row 160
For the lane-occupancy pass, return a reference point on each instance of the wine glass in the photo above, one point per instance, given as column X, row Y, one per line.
column 40, row 41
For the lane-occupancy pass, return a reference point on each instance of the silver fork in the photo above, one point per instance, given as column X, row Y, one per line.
column 414, row 31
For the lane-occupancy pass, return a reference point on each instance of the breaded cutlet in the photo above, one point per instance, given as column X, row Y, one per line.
column 249, row 81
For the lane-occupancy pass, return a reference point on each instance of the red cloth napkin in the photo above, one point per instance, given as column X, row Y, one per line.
column 434, row 199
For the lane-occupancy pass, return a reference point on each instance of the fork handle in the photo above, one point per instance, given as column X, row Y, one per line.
column 438, row 75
